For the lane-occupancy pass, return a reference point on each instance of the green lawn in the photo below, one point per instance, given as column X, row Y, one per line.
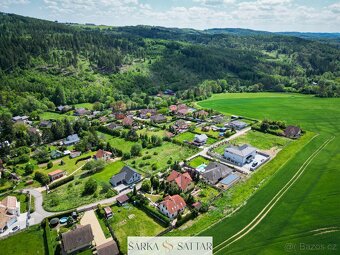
column 139, row 224
column 70, row 164
column 117, row 142
column 212, row 133
column 154, row 198
column 70, row 196
column 257, row 139
column 55, row 116
column 195, row 162
column 189, row 137
column 310, row 204
column 28, row 242
column 163, row 157
column 88, row 106
column 108, row 171
column 206, row 194
column 152, row 131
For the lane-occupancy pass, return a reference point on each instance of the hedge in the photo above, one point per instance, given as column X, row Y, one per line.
column 61, row 182
column 155, row 214
column 106, row 130
column 186, row 218
column 81, row 159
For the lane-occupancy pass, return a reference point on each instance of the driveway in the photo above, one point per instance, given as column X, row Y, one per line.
column 90, row 218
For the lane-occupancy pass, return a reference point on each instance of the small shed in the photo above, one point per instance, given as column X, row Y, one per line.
column 121, row 200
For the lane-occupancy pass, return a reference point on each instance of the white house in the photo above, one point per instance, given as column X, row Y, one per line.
column 201, row 139
column 240, row 155
column 171, row 206
column 238, row 124
column 9, row 211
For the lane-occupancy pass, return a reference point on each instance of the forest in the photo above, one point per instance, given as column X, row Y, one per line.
column 44, row 64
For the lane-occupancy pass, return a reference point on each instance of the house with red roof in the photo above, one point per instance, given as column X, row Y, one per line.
column 104, row 155
column 171, row 206
column 56, row 174
column 182, row 181
column 128, row 121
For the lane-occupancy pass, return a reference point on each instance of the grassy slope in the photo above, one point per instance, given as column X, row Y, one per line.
column 312, row 202
column 27, row 242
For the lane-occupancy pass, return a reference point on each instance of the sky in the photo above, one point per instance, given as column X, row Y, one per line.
column 268, row 15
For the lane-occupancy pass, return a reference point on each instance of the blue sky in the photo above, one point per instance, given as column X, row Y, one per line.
column 270, row 15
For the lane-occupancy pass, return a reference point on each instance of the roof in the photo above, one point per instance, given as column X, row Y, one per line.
column 78, row 237
column 238, row 123
column 173, row 108
column 127, row 121
column 100, row 153
column 72, row 138
column 216, row 171
column 292, row 131
column 174, row 203
column 201, row 137
column 202, row 112
column 230, row 179
column 183, row 111
column 243, row 150
column 56, row 172
column 182, row 180
column 4, row 217
column 125, row 174
column 158, row 117
column 9, row 202
column 109, row 248
column 107, row 210
column 122, row 199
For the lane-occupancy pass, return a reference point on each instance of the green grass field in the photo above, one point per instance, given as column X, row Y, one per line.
column 55, row 116
column 130, row 221
column 117, row 142
column 70, row 196
column 311, row 203
column 161, row 156
column 195, row 162
column 108, row 171
column 257, row 139
column 152, row 131
column 28, row 242
column 88, row 106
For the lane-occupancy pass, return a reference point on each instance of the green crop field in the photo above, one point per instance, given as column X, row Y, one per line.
column 308, row 212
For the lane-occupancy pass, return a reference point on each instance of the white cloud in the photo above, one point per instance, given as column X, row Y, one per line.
column 214, row 2
column 8, row 3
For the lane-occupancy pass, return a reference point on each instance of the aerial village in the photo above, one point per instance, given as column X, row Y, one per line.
column 94, row 177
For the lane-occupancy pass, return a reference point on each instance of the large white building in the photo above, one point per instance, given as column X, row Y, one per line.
column 240, row 155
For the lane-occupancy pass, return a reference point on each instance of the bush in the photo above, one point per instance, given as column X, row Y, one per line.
column 94, row 165
column 90, row 187
column 146, row 186
column 83, row 158
column 183, row 219
column 61, row 182
column 126, row 156
column 49, row 164
column 42, row 178
column 29, row 168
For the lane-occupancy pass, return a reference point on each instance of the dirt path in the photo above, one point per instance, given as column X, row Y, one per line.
column 90, row 218
column 273, row 202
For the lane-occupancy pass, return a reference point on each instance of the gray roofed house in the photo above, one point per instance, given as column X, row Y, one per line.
column 238, row 124
column 77, row 239
column 109, row 248
column 71, row 139
column 127, row 176
column 201, row 139
column 159, row 118
column 215, row 172
column 292, row 132
column 240, row 155
column 45, row 124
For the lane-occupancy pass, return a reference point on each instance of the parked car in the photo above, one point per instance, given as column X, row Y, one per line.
column 132, row 186
column 254, row 164
column 15, row 229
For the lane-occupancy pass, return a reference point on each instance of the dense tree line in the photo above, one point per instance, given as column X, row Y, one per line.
column 44, row 64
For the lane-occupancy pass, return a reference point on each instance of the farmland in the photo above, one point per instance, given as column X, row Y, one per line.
column 311, row 201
